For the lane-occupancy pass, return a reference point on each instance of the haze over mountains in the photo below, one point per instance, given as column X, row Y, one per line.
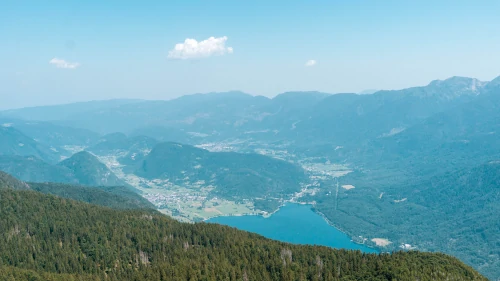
column 419, row 166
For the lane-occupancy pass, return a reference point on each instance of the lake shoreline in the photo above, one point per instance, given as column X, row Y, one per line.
column 343, row 231
column 248, row 214
column 313, row 210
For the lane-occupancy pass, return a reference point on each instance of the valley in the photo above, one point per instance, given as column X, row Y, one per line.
column 432, row 186
column 191, row 201
column 249, row 141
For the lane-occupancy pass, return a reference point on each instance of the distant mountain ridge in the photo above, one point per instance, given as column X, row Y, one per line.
column 62, row 111
column 405, row 147
column 115, row 143
column 82, row 168
column 30, row 168
column 13, row 142
column 292, row 114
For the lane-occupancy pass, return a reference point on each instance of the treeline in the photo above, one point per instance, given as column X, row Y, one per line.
column 44, row 237
column 116, row 197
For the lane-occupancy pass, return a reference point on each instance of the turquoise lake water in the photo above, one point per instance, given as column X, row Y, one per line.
column 294, row 223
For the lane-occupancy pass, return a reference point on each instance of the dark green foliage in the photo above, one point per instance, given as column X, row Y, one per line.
column 116, row 197
column 235, row 175
column 456, row 213
column 439, row 165
column 44, row 237
column 8, row 181
column 397, row 141
column 10, row 273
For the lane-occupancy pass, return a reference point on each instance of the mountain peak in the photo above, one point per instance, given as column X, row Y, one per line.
column 455, row 86
column 457, row 80
column 88, row 170
column 82, row 155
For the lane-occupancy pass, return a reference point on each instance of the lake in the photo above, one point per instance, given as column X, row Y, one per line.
column 294, row 223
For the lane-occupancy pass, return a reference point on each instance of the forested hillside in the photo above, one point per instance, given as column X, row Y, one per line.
column 117, row 197
column 30, row 168
column 59, row 238
column 414, row 155
column 235, row 175
column 82, row 168
column 88, row 170
column 461, row 210
column 8, row 181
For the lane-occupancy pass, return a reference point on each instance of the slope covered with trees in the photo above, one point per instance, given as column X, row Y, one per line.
column 50, row 237
column 88, row 170
column 234, row 175
column 33, row 169
column 396, row 142
column 461, row 213
column 82, row 168
column 117, row 197
column 8, row 181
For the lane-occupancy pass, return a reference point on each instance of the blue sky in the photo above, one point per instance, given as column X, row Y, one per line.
column 120, row 49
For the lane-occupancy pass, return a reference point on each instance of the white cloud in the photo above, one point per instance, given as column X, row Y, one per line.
column 60, row 63
column 192, row 49
column 310, row 63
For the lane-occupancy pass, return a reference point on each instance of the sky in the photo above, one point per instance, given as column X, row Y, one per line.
column 54, row 52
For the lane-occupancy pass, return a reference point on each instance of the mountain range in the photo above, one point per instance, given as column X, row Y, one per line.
column 81, row 168
column 418, row 156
